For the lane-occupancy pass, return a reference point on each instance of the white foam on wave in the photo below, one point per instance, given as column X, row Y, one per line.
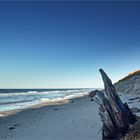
column 17, row 106
column 17, row 100
column 32, row 92
column 44, row 99
column 67, row 97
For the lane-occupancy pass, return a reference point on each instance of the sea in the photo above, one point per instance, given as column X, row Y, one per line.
column 13, row 99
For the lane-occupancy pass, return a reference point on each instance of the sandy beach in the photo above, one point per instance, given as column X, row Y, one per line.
column 70, row 70
column 78, row 119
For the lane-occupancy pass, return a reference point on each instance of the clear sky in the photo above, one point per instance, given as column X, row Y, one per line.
column 63, row 44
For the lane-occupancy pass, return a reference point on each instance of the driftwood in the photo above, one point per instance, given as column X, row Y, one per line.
column 92, row 94
column 115, row 115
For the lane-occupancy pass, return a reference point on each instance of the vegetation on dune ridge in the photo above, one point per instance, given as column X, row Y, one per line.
column 130, row 75
column 129, row 84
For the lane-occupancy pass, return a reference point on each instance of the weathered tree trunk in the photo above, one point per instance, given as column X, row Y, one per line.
column 115, row 115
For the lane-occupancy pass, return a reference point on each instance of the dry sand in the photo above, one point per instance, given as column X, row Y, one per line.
column 76, row 120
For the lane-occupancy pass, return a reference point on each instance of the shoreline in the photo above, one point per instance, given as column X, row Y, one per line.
column 43, row 104
column 13, row 112
column 74, row 120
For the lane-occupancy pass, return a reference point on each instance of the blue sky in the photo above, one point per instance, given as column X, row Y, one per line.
column 63, row 44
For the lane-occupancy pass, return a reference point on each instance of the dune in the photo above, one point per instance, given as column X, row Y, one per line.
column 129, row 84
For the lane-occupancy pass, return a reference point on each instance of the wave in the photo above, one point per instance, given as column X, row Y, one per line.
column 76, row 95
column 8, row 103
column 67, row 97
column 32, row 92
column 12, row 101
column 26, row 93
column 41, row 92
